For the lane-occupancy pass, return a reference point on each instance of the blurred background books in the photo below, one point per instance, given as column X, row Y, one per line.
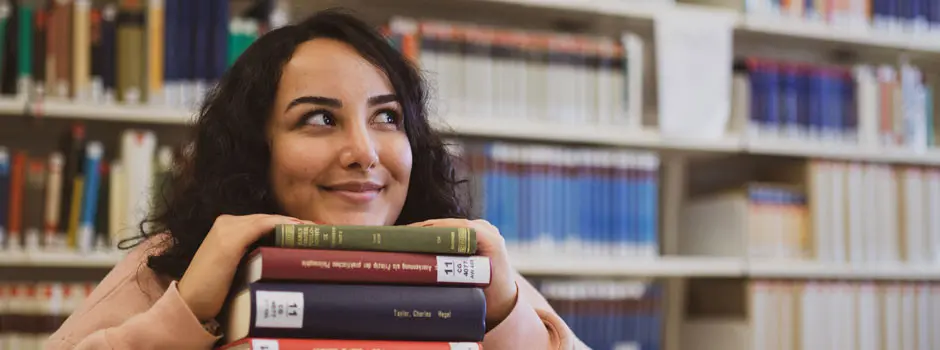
column 670, row 174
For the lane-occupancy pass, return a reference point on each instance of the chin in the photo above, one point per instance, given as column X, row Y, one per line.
column 353, row 218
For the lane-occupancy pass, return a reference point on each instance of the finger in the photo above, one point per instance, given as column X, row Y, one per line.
column 257, row 226
column 443, row 223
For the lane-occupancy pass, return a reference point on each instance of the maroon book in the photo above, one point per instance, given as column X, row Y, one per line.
column 365, row 267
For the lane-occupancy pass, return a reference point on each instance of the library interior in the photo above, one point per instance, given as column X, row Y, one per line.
column 755, row 212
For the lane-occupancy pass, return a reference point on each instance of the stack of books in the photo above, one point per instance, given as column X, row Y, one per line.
column 370, row 287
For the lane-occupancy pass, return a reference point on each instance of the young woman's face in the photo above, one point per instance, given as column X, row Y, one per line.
column 339, row 153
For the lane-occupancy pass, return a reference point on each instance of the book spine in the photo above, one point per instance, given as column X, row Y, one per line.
column 370, row 267
column 342, row 312
column 442, row 240
column 73, row 150
column 94, row 153
column 117, row 202
column 32, row 206
column 17, row 184
column 130, row 43
column 4, row 194
column 81, row 50
column 307, row 344
column 109, row 51
column 24, row 48
column 155, row 42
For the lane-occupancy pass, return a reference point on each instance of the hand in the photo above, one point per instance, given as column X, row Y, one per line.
column 207, row 280
column 502, row 292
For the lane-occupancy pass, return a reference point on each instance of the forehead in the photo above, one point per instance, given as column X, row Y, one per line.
column 331, row 68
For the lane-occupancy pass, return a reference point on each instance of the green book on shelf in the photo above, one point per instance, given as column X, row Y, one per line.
column 432, row 240
column 24, row 43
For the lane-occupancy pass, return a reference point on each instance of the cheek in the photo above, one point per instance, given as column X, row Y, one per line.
column 400, row 160
column 293, row 164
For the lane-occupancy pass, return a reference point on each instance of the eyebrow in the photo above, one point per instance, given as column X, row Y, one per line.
column 335, row 103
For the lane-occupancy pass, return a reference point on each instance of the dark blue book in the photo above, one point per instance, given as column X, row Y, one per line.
column 220, row 21
column 171, row 49
column 373, row 312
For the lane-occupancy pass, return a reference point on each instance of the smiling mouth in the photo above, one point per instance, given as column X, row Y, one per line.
column 355, row 192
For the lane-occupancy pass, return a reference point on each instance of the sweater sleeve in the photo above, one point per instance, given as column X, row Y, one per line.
column 532, row 324
column 132, row 309
column 168, row 324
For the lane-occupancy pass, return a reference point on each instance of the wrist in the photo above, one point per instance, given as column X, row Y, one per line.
column 500, row 309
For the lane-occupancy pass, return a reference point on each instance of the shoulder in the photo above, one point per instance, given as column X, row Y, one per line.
column 128, row 289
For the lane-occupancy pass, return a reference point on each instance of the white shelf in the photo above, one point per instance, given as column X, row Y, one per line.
column 619, row 136
column 769, row 146
column 59, row 259
column 12, row 105
column 554, row 264
column 859, row 35
column 814, row 270
column 142, row 114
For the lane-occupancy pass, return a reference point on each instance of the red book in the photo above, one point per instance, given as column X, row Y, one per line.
column 318, row 344
column 373, row 267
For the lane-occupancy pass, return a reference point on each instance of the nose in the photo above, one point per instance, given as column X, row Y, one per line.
column 359, row 151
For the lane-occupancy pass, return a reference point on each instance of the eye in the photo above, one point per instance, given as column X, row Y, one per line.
column 317, row 118
column 387, row 117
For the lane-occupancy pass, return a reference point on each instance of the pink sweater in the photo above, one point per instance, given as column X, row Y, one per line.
column 134, row 308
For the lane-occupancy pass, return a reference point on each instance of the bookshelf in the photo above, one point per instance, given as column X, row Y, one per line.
column 683, row 328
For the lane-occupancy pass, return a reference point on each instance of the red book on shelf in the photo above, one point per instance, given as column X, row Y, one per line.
column 289, row 264
column 308, row 344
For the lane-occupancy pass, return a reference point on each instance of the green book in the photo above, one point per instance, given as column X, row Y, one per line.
column 4, row 22
column 25, row 42
column 432, row 240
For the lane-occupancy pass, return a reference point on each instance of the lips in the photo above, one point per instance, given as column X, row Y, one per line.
column 355, row 192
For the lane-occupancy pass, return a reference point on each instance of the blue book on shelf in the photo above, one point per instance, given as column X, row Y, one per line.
column 789, row 101
column 757, row 96
column 771, row 88
column 94, row 152
column 171, row 30
column 220, row 21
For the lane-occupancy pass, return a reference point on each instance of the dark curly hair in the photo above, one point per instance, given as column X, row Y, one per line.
column 226, row 169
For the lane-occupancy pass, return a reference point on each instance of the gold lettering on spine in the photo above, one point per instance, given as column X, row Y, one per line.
column 452, row 240
column 401, row 313
column 289, row 236
column 462, row 240
column 444, row 315
column 316, row 236
column 420, row 313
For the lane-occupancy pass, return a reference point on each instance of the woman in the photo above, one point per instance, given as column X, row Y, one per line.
column 321, row 121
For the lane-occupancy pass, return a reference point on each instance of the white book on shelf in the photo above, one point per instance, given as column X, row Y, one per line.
column 908, row 317
column 869, row 320
column 924, row 326
column 891, row 232
column 849, row 300
column 892, row 317
column 932, row 205
column 854, row 202
column 912, row 210
column 634, row 54
column 760, row 315
column 934, row 307
column 866, row 105
column 837, row 189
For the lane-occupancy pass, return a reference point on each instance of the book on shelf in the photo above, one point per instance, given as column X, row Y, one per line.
column 843, row 315
column 870, row 105
column 573, row 200
column 82, row 196
column 504, row 73
column 828, row 211
column 608, row 313
column 120, row 51
column 31, row 311
column 335, row 284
